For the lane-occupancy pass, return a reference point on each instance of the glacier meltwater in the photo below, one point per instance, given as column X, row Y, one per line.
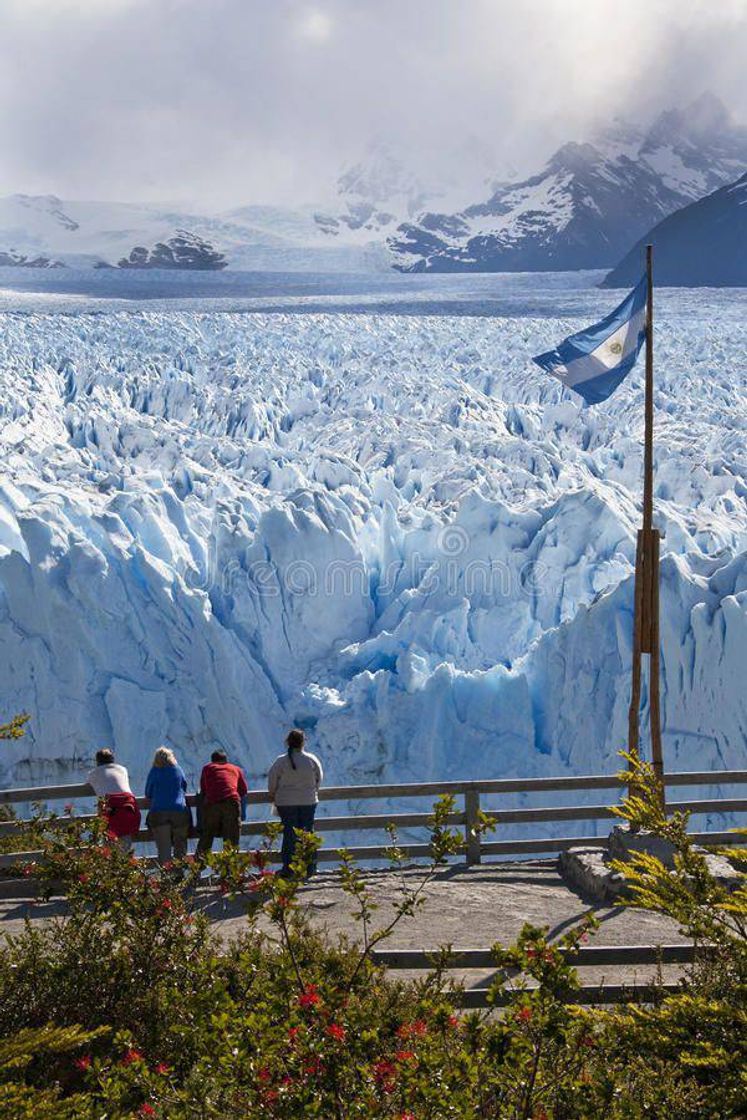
column 389, row 529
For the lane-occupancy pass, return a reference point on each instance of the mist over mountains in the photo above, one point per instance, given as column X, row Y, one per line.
column 585, row 209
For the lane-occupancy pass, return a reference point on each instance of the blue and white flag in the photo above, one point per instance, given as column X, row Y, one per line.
column 595, row 361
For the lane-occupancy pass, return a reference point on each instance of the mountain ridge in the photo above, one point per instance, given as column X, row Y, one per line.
column 583, row 209
column 589, row 203
column 703, row 244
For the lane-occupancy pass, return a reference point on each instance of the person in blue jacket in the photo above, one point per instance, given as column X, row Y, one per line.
column 168, row 817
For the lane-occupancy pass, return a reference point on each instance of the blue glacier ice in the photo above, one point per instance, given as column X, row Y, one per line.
column 391, row 529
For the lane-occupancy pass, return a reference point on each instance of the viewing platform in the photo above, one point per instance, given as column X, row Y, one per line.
column 471, row 797
column 481, row 897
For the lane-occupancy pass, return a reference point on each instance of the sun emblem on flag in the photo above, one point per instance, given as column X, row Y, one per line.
column 616, row 347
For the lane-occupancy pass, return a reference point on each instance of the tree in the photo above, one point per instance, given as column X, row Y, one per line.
column 15, row 729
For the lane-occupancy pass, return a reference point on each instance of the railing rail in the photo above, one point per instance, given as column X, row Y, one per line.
column 423, row 789
column 588, row 995
column 584, row 956
column 469, row 791
column 588, row 956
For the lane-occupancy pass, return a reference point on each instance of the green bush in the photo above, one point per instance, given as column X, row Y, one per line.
column 128, row 1007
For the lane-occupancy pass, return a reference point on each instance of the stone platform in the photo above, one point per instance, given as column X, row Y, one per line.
column 588, row 869
column 465, row 907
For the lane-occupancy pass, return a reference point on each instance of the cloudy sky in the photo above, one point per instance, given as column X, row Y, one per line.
column 224, row 102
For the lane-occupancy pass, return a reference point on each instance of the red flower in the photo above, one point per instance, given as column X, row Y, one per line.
column 524, row 1014
column 166, row 904
column 106, row 851
column 403, row 1055
column 293, row 1033
column 335, row 1031
column 263, row 1073
column 163, row 1069
column 310, row 996
column 385, row 1074
column 146, row 1110
column 83, row 1063
column 407, row 1116
column 454, row 1022
column 83, row 878
column 131, row 1056
column 418, row 1029
column 168, row 865
column 271, row 1096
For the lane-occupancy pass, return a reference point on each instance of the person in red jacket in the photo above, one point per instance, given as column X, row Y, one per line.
column 223, row 788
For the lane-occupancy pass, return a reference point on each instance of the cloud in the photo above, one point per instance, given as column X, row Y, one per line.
column 315, row 25
column 230, row 101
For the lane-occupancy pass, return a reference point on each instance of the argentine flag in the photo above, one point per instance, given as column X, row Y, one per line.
column 595, row 361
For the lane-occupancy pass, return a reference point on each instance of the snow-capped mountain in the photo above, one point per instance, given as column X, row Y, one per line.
column 380, row 191
column 94, row 234
column 587, row 206
column 20, row 260
column 374, row 195
column 589, row 203
column 348, row 233
column 701, row 245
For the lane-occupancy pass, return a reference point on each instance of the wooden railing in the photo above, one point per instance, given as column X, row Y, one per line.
column 587, row 956
column 469, row 793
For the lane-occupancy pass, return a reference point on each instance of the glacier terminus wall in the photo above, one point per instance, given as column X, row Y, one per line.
column 390, row 530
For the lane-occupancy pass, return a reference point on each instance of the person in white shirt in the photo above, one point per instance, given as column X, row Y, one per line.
column 111, row 784
column 293, row 783
column 108, row 776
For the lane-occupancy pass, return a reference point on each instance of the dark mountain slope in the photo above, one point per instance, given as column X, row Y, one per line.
column 701, row 245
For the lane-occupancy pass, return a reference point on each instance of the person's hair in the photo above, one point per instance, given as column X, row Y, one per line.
column 104, row 756
column 294, row 742
column 219, row 756
column 164, row 757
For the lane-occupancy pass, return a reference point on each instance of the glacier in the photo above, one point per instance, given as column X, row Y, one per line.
column 391, row 530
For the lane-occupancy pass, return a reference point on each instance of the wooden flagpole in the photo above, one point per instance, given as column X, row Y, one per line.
column 646, row 615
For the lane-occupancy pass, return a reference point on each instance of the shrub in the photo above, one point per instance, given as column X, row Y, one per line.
column 128, row 1006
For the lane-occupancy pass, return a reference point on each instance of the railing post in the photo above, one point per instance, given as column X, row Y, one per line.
column 471, row 835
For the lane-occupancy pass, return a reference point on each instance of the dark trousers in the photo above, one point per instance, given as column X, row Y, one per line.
column 170, row 829
column 222, row 819
column 293, row 817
